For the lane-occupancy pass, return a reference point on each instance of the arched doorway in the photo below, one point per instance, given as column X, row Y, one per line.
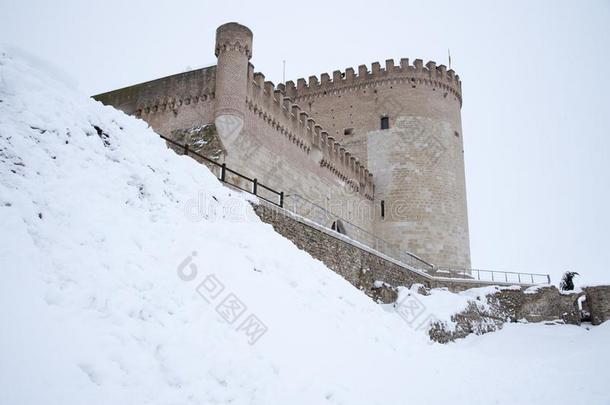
column 339, row 227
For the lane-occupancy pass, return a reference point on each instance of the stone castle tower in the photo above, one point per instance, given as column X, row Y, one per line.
column 233, row 50
column 382, row 149
column 404, row 122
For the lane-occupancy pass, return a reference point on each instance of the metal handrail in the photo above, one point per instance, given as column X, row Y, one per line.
column 395, row 252
column 379, row 244
column 223, row 171
column 239, row 174
column 498, row 275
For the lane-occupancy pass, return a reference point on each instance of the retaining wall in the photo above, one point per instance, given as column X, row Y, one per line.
column 357, row 263
column 598, row 301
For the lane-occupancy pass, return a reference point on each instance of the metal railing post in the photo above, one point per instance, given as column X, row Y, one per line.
column 223, row 169
column 548, row 279
column 532, row 278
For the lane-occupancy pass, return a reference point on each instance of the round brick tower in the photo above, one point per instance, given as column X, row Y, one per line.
column 419, row 165
column 233, row 50
column 405, row 122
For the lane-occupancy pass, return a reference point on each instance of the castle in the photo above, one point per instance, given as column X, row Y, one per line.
column 380, row 149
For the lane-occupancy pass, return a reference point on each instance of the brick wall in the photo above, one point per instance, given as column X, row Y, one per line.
column 418, row 163
column 290, row 139
column 167, row 94
column 184, row 102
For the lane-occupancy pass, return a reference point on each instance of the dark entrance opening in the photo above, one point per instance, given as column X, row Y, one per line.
column 338, row 227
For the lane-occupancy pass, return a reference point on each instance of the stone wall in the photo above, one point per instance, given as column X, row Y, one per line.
column 352, row 261
column 598, row 301
column 378, row 276
column 357, row 263
column 545, row 304
column 287, row 164
column 542, row 304
column 289, row 120
column 167, row 94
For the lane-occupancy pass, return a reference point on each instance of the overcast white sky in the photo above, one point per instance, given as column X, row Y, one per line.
column 535, row 80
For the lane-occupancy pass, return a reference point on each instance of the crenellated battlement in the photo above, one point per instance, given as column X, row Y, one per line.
column 172, row 104
column 319, row 136
column 271, row 104
column 417, row 73
column 233, row 37
column 167, row 94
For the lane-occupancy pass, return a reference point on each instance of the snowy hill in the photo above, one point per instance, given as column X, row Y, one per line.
column 110, row 293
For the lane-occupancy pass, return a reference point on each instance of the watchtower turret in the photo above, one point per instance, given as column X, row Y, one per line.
column 233, row 50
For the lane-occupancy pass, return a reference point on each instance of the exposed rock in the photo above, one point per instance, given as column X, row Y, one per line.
column 201, row 139
column 383, row 293
column 473, row 319
column 544, row 304
column 598, row 302
column 547, row 304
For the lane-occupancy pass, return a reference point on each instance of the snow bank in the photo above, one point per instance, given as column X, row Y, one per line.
column 113, row 292
column 94, row 233
column 440, row 305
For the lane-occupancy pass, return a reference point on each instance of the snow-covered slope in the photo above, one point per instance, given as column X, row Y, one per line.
column 130, row 275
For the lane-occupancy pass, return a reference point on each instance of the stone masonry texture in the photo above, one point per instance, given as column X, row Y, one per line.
column 598, row 301
column 418, row 162
column 357, row 265
column 365, row 269
column 546, row 304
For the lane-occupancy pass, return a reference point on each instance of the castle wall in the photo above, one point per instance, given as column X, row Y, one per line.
column 167, row 94
column 281, row 147
column 418, row 163
column 276, row 146
column 292, row 138
column 281, row 163
column 291, row 120
column 180, row 101
column 363, row 266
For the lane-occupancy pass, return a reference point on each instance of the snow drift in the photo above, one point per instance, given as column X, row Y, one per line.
column 111, row 293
